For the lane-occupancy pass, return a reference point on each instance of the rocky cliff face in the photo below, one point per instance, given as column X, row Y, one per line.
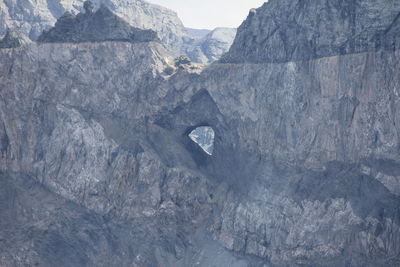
column 282, row 31
column 98, row 26
column 108, row 165
column 98, row 166
column 321, row 154
column 32, row 17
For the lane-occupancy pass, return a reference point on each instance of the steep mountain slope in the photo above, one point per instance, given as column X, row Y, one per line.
column 282, row 31
column 114, row 140
column 98, row 168
column 30, row 18
column 93, row 100
column 95, row 26
column 314, row 155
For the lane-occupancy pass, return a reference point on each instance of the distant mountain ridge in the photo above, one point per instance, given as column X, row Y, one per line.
column 197, row 33
column 30, row 18
column 210, row 47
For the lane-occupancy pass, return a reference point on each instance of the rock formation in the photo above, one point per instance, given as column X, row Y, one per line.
column 283, row 31
column 32, row 17
column 102, row 25
column 11, row 40
column 210, row 47
column 98, row 167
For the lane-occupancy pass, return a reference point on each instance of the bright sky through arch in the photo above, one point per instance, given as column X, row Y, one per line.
column 209, row 14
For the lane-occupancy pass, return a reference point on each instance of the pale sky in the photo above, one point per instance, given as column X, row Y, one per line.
column 209, row 14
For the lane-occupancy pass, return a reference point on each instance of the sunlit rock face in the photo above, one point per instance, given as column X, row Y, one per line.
column 204, row 137
column 210, row 47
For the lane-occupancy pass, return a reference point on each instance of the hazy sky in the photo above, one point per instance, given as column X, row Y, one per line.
column 208, row 14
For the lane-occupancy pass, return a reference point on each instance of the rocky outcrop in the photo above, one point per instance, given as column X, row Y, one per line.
column 102, row 25
column 32, row 17
column 11, row 40
column 98, row 167
column 282, row 31
column 212, row 46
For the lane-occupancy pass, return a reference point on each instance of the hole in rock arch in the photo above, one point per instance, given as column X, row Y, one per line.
column 204, row 137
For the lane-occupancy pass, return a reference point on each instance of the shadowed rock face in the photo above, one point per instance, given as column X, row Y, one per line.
column 115, row 141
column 98, row 167
column 102, row 25
column 10, row 40
column 282, row 31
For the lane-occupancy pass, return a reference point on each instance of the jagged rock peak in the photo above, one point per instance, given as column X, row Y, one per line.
column 11, row 39
column 295, row 30
column 101, row 25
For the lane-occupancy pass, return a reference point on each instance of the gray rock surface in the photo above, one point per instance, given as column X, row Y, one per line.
column 11, row 40
column 212, row 46
column 98, row 168
column 287, row 30
column 32, row 17
column 114, row 141
column 101, row 25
